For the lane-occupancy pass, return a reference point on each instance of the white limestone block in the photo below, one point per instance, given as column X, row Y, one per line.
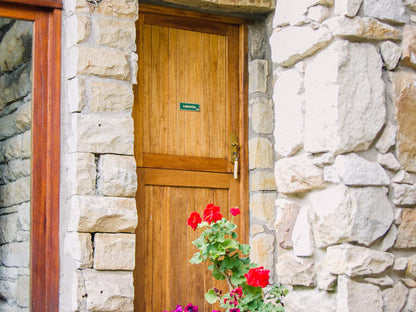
column 356, row 170
column 391, row 54
column 344, row 108
column 286, row 51
column 358, row 297
column 303, row 244
column 388, row 137
column 356, row 261
column 350, row 214
column 392, row 11
column 289, row 104
column 347, row 7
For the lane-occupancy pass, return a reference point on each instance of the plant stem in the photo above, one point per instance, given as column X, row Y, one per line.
column 227, row 278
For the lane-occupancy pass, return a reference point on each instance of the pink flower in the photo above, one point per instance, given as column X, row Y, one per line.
column 235, row 211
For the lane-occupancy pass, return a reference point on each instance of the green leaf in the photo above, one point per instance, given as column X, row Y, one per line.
column 237, row 279
column 245, row 249
column 211, row 297
column 196, row 258
column 218, row 275
column 234, row 235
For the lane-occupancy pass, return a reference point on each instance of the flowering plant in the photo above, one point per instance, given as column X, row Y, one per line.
column 248, row 284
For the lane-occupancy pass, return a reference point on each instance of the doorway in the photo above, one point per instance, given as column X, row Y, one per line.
column 191, row 119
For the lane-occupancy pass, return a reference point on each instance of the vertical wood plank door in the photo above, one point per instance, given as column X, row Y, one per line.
column 190, row 99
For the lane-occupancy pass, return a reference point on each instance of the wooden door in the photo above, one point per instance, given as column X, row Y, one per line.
column 189, row 101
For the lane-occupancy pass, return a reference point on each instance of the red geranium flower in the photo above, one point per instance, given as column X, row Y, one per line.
column 212, row 213
column 194, row 219
column 258, row 277
column 235, row 211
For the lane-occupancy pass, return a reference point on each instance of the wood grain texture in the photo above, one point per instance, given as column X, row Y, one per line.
column 44, row 289
column 183, row 157
column 56, row 4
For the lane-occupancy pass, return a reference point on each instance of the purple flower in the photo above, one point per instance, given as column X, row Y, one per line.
column 235, row 310
column 178, row 308
column 191, row 308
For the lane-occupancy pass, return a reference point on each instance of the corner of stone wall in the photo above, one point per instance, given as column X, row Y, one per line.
column 345, row 141
column 98, row 170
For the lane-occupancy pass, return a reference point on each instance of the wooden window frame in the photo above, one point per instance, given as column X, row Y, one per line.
column 46, row 59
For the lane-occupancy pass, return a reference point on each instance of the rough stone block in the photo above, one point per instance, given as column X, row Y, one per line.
column 16, row 46
column 402, row 177
column 395, row 298
column 23, row 291
column 108, row 291
column 391, row 54
column 14, row 193
column 14, row 170
column 358, row 297
column 388, row 161
column 388, row 137
column 116, row 33
column 406, row 236
column 23, row 118
column 110, row 96
column 18, row 146
column 287, row 212
column 103, row 214
column 293, row 270
column 333, row 122
column 392, row 11
column 76, row 94
column 405, row 110
column 404, row 194
column 104, row 134
column 262, row 115
column 411, row 301
column 258, row 73
column 303, row 242
column 325, row 280
column 9, row 228
column 79, row 247
column 411, row 4
column 260, row 153
column 262, row 181
column 84, row 174
column 103, row 62
column 119, row 8
column 356, row 261
column 114, row 251
column 262, row 207
column 117, row 176
column 15, row 254
column 343, row 214
column 18, row 82
column 359, row 28
column 347, row 7
column 287, row 52
column 355, row 170
column 381, row 281
column 262, row 250
column 289, row 106
column 319, row 13
column 310, row 301
column 297, row 175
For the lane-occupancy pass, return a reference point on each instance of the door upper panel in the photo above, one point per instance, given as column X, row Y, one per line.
column 189, row 93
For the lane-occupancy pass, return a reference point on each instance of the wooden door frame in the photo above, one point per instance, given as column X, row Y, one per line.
column 243, row 85
column 45, row 159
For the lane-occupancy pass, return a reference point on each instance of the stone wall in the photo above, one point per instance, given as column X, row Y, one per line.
column 345, row 144
column 331, row 151
column 15, row 151
column 98, row 174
